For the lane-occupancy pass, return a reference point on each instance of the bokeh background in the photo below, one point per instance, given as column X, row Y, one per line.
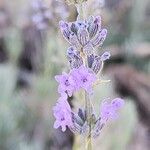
column 32, row 52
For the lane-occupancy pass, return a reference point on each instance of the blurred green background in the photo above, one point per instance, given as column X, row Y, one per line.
column 30, row 57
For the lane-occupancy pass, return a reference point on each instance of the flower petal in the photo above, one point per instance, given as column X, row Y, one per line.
column 56, row 124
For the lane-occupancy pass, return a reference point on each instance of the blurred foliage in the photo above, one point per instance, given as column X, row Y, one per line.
column 26, row 119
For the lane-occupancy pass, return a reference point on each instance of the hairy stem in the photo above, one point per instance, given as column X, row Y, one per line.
column 80, row 11
column 88, row 106
column 88, row 109
column 88, row 143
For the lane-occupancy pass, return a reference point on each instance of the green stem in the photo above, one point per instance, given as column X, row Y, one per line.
column 80, row 11
column 88, row 108
column 89, row 143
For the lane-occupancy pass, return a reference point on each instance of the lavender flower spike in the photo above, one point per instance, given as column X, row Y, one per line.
column 84, row 36
column 62, row 113
column 117, row 103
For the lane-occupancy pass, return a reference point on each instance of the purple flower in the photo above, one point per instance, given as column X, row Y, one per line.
column 62, row 113
column 109, row 110
column 117, row 103
column 76, row 79
column 66, row 84
column 84, row 78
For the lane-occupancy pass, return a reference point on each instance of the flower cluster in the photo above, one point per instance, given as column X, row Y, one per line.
column 78, row 123
column 75, row 80
column 84, row 37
